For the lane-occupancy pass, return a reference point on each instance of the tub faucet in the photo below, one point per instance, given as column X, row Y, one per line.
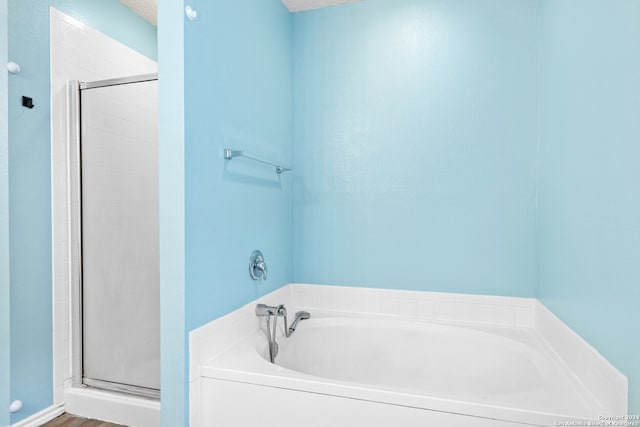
column 263, row 310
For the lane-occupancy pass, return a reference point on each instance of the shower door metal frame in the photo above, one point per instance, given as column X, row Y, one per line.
column 74, row 201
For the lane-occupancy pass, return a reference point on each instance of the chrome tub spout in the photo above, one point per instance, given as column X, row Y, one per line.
column 263, row 310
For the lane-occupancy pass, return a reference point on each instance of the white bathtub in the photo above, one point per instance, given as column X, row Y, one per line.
column 346, row 369
column 501, row 368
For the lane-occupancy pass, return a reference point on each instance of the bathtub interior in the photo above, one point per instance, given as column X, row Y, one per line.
column 430, row 358
column 485, row 365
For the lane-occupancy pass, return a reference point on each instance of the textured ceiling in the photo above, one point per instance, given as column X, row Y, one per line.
column 148, row 9
column 300, row 5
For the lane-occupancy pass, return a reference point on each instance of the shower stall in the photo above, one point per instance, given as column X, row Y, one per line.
column 114, row 236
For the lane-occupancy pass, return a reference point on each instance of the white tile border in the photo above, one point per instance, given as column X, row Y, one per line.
column 495, row 310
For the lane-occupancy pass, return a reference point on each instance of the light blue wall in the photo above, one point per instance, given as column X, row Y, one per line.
column 237, row 93
column 415, row 145
column 173, row 341
column 30, row 209
column 29, row 192
column 590, row 175
column 5, row 339
column 238, row 88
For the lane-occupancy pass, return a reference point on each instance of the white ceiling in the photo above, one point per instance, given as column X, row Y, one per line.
column 148, row 9
column 300, row 5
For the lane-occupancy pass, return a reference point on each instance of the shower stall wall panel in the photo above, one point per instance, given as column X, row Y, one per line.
column 120, row 242
column 78, row 52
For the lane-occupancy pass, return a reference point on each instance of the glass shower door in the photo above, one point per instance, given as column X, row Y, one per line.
column 120, row 236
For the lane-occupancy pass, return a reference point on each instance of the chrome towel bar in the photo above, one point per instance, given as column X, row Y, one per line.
column 230, row 154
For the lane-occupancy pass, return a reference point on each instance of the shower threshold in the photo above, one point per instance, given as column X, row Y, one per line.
column 122, row 388
column 111, row 406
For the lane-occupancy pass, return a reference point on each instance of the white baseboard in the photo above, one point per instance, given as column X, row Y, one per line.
column 41, row 417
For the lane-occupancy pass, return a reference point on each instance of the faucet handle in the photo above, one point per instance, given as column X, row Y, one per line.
column 265, row 310
column 257, row 266
column 261, row 266
column 270, row 310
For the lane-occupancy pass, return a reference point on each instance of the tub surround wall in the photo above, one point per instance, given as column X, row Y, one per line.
column 604, row 382
column 589, row 232
column 415, row 145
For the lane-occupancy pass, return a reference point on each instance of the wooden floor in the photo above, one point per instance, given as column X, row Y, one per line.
column 66, row 420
